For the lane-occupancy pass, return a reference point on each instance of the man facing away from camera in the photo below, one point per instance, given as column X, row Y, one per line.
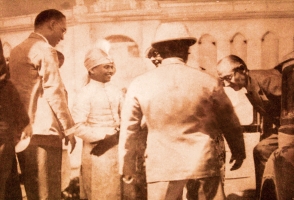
column 34, row 68
column 186, row 113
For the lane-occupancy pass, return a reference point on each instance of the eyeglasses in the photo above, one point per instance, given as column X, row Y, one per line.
column 63, row 29
column 240, row 69
column 227, row 77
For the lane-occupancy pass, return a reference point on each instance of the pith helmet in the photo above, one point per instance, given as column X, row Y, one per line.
column 173, row 31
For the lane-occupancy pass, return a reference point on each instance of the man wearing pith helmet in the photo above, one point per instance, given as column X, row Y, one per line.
column 186, row 112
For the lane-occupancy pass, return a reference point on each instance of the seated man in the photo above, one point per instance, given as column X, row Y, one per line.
column 264, row 93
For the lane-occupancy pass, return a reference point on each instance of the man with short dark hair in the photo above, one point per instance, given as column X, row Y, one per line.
column 34, row 68
column 186, row 113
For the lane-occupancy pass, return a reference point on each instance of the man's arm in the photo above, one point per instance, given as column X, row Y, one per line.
column 130, row 128
column 82, row 129
column 54, row 92
column 21, row 119
column 230, row 126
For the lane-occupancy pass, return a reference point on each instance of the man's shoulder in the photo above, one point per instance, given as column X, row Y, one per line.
column 267, row 75
column 265, row 72
column 34, row 42
column 270, row 81
column 188, row 74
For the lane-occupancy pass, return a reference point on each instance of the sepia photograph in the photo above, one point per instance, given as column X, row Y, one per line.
column 146, row 99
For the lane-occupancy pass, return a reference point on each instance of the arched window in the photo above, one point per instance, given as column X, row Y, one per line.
column 238, row 46
column 207, row 58
column 269, row 50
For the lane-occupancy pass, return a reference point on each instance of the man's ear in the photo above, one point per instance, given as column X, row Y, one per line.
column 91, row 71
column 51, row 24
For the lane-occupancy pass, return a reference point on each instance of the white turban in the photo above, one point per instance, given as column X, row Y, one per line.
column 98, row 55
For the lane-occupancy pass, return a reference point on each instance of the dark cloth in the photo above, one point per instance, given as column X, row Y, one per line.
column 15, row 118
column 264, row 92
column 6, row 160
column 206, row 189
column 44, row 163
column 13, row 190
column 261, row 153
column 12, row 112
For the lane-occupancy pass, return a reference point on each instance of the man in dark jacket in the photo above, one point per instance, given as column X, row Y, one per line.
column 13, row 119
column 264, row 92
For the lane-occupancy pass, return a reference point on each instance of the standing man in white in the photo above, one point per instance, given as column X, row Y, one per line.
column 186, row 113
column 96, row 112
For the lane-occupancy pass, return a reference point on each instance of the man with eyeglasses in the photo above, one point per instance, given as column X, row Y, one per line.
column 34, row 68
column 263, row 89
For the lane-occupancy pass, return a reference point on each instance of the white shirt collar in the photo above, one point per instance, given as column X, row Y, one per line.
column 97, row 83
column 173, row 60
column 42, row 36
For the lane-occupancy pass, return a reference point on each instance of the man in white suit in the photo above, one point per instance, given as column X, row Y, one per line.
column 186, row 113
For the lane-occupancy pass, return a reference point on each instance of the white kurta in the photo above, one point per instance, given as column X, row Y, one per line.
column 96, row 114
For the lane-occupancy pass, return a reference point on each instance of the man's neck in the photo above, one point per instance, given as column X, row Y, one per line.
column 40, row 34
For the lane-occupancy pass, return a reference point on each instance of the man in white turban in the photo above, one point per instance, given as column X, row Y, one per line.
column 96, row 113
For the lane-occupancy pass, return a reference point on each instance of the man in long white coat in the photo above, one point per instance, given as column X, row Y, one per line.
column 96, row 113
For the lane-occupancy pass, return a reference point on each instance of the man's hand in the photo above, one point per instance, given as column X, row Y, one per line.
column 27, row 131
column 237, row 164
column 22, row 137
column 127, row 179
column 71, row 138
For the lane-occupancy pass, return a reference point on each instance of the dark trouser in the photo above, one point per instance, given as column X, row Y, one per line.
column 7, row 155
column 41, row 169
column 13, row 190
column 199, row 189
column 261, row 153
column 205, row 189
